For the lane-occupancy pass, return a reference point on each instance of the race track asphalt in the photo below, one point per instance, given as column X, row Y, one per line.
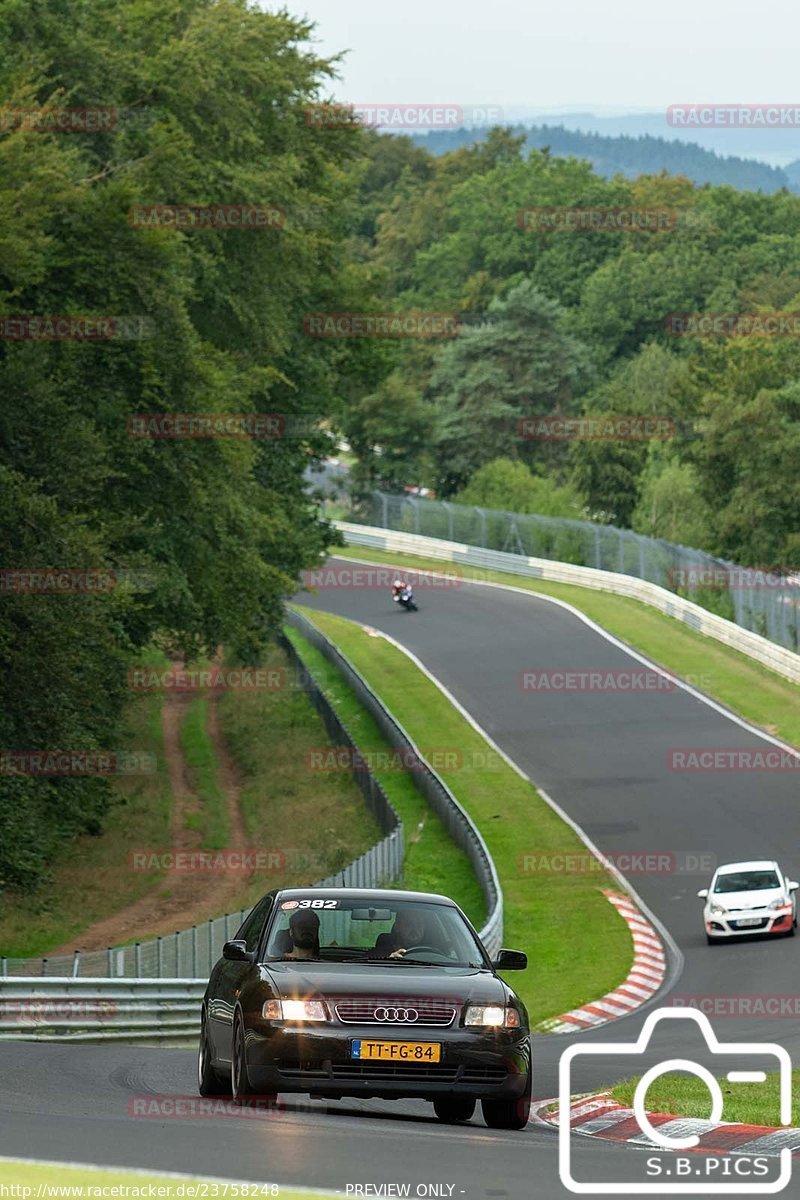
column 601, row 756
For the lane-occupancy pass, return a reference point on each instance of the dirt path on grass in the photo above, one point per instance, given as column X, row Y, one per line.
column 179, row 899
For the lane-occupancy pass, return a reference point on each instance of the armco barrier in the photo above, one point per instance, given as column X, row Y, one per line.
column 784, row 662
column 88, row 1010
column 455, row 819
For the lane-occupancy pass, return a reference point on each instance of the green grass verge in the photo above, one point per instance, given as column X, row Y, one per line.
column 211, row 817
column 578, row 945
column 316, row 821
column 686, row 1096
column 86, row 1181
column 433, row 862
column 92, row 877
column 733, row 679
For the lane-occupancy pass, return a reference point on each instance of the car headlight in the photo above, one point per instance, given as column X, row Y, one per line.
column 780, row 904
column 716, row 910
column 294, row 1010
column 492, row 1016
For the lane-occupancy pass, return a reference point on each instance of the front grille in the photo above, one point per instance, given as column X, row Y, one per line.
column 389, row 1071
column 419, row 1012
column 761, row 924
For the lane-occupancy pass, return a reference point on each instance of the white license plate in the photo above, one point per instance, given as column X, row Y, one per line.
column 748, row 922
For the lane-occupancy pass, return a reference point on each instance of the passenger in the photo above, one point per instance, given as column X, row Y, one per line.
column 304, row 928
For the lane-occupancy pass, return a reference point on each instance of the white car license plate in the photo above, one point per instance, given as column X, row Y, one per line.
column 748, row 922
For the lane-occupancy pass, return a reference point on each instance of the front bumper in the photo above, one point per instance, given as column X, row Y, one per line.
column 317, row 1062
column 730, row 925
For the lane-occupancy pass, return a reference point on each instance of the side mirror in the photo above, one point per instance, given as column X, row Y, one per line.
column 510, row 960
column 703, row 893
column 237, row 952
column 793, row 885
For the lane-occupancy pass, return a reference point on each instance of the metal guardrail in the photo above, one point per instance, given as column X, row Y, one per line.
column 453, row 816
column 765, row 603
column 191, row 953
column 102, row 1009
column 783, row 661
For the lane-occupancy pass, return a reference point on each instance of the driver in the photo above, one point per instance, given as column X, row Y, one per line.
column 408, row 930
column 304, row 928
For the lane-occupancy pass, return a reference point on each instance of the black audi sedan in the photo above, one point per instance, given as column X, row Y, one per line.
column 337, row 992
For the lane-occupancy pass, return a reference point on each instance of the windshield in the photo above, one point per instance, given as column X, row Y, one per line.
column 747, row 881
column 361, row 929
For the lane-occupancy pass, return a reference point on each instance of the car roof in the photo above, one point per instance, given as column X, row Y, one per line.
column 387, row 895
column 765, row 864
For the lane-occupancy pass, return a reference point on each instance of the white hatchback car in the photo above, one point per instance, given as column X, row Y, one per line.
column 749, row 897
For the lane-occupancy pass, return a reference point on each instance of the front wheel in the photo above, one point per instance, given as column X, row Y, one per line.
column 454, row 1109
column 240, row 1084
column 209, row 1082
column 508, row 1114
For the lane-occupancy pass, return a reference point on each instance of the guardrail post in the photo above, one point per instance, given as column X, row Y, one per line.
column 110, row 963
column 76, row 964
column 4, row 971
column 194, row 952
column 210, row 946
column 44, row 966
column 137, row 960
column 159, row 957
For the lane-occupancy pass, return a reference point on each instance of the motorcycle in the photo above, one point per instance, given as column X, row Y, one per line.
column 405, row 598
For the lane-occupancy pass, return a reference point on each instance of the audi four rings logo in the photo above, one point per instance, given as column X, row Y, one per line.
column 396, row 1014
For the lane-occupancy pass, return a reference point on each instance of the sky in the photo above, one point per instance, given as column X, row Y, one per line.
column 602, row 55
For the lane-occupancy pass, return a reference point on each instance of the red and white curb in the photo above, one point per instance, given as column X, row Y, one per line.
column 645, row 978
column 601, row 1117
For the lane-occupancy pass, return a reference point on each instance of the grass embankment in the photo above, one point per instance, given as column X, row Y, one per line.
column 315, row 821
column 578, row 945
column 433, row 862
column 210, row 816
column 320, row 817
column 92, row 876
column 733, row 679
column 687, row 1096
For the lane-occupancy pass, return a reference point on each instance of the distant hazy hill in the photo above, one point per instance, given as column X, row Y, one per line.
column 631, row 156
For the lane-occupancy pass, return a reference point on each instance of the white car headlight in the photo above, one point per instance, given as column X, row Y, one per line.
column 780, row 903
column 717, row 910
column 492, row 1016
column 294, row 1010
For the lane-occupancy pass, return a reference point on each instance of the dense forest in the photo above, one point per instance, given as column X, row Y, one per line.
column 632, row 155
column 205, row 537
